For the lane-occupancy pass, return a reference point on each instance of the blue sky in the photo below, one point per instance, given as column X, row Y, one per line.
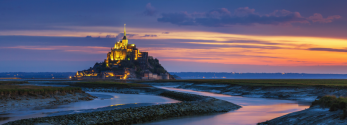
column 195, row 35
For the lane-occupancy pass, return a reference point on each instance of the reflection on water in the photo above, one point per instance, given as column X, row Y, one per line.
column 108, row 99
column 105, row 101
column 253, row 111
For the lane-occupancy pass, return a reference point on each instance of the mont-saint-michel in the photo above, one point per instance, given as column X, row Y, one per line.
column 178, row 62
column 125, row 61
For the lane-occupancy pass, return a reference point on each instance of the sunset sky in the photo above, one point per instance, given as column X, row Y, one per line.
column 185, row 35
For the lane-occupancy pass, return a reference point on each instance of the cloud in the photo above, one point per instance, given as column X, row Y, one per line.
column 214, row 13
column 149, row 35
column 328, row 49
column 241, row 16
column 82, row 49
column 190, row 58
column 120, row 36
column 319, row 18
column 110, row 36
column 238, row 46
column 181, row 18
column 243, row 11
column 150, row 10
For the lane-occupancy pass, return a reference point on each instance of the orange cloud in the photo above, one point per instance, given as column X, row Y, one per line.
column 224, row 55
column 82, row 49
column 254, row 56
column 223, row 47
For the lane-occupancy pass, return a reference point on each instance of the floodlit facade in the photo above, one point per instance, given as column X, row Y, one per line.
column 120, row 52
column 124, row 51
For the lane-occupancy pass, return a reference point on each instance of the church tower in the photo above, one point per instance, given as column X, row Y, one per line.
column 125, row 40
column 122, row 51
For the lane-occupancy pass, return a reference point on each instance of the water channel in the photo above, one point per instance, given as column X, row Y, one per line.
column 105, row 101
column 253, row 110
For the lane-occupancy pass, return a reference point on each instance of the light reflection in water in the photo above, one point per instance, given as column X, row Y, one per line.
column 253, row 111
column 104, row 100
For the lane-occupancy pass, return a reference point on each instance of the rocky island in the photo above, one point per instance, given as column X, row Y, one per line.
column 125, row 61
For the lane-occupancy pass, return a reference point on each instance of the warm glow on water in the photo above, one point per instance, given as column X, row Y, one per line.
column 253, row 111
column 109, row 101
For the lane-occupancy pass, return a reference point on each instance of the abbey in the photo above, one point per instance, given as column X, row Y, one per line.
column 125, row 61
column 124, row 51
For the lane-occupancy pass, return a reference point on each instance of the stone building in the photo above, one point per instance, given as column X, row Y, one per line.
column 124, row 51
column 125, row 61
column 150, row 76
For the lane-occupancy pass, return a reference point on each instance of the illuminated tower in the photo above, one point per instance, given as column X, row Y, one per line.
column 125, row 40
column 123, row 51
column 125, row 33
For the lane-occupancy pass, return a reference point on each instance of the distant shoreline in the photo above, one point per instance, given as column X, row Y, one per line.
column 182, row 75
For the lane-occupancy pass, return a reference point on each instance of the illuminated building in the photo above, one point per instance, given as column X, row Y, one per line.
column 124, row 51
column 125, row 61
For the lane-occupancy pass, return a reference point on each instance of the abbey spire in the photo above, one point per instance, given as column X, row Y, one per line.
column 125, row 33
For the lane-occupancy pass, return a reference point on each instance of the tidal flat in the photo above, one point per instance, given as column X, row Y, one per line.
column 15, row 95
column 305, row 91
column 192, row 105
column 305, row 94
column 289, row 89
column 331, row 83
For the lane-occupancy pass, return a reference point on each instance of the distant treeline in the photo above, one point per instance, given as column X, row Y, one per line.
column 231, row 75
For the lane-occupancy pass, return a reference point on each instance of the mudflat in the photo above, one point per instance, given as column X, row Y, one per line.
column 14, row 96
column 23, row 102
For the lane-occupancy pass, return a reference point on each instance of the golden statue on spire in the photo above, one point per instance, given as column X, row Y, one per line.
column 124, row 30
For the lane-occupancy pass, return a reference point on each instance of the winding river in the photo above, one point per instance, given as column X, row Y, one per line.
column 254, row 110
column 105, row 101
